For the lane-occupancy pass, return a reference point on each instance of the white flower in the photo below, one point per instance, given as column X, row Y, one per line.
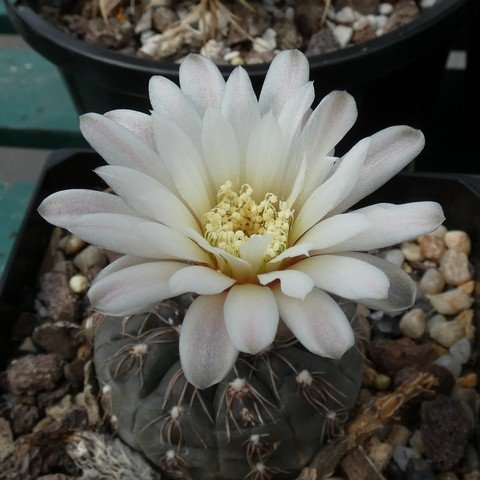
column 241, row 201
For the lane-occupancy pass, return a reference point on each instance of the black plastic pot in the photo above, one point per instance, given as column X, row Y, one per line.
column 458, row 194
column 394, row 77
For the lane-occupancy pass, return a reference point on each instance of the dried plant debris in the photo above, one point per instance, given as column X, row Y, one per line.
column 234, row 32
column 416, row 416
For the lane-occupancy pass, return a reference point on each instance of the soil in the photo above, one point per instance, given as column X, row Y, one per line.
column 234, row 32
column 416, row 415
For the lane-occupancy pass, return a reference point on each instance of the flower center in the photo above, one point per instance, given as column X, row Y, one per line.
column 237, row 217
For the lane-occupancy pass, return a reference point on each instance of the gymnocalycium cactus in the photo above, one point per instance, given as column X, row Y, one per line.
column 242, row 203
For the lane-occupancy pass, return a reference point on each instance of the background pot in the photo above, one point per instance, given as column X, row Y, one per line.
column 394, row 78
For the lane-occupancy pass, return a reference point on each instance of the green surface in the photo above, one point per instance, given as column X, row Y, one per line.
column 14, row 200
column 5, row 24
column 36, row 108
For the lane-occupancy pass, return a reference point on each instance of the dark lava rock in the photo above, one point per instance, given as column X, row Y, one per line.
column 23, row 327
column 445, row 432
column 115, row 35
column 308, row 16
column 323, row 41
column 365, row 7
column 61, row 338
column 163, row 18
column 403, row 13
column 419, row 469
column 45, row 399
column 74, row 372
column 24, row 417
column 33, row 373
column 444, row 377
column 391, row 356
column 61, row 303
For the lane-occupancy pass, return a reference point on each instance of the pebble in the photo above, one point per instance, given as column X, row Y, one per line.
column 447, row 333
column 345, row 15
column 214, row 50
column 90, row 257
column 385, row 9
column 6, row 440
column 435, row 320
column 455, row 267
column 458, row 240
column 432, row 282
column 419, row 469
column 60, row 338
column 461, row 350
column 145, row 22
column 431, row 246
column 60, row 302
column 162, row 18
column 231, row 55
column 441, row 231
column 465, row 319
column 78, row 283
column 380, row 453
column 394, row 256
column 416, row 442
column 323, row 41
column 404, row 11
column 413, row 323
column 468, row 287
column 24, row 417
column 402, row 456
column 451, row 302
column 398, row 435
column 411, row 250
column 59, row 410
column 468, row 381
column 451, row 364
column 360, row 24
column 382, row 382
column 427, row 3
column 237, row 61
column 343, row 34
column 73, row 245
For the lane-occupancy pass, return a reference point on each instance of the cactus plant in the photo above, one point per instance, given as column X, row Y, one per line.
column 265, row 420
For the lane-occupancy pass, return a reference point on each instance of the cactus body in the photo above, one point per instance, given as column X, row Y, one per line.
column 265, row 420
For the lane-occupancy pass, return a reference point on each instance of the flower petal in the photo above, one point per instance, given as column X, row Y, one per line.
column 332, row 192
column 62, row 207
column 201, row 280
column 292, row 282
column 288, row 72
column 402, row 291
column 344, row 276
column 119, row 146
column 251, row 317
column 184, row 164
column 254, row 250
column 201, row 81
column 121, row 263
column 390, row 225
column 140, row 124
column 206, row 352
column 390, row 151
column 318, row 323
column 135, row 236
column 147, row 196
column 133, row 289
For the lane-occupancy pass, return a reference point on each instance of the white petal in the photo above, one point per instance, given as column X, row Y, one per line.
column 135, row 236
column 201, row 280
column 133, row 289
column 288, row 73
column 318, row 323
column 251, row 317
column 62, row 207
column 391, row 224
column 390, row 151
column 240, row 107
column 167, row 99
column 402, row 291
column 119, row 146
column 265, row 154
column 121, row 263
column 220, row 149
column 344, row 276
column 202, row 82
column 147, row 196
column 292, row 282
column 184, row 164
column 332, row 192
column 254, row 250
column 206, row 352
column 140, row 124
column 327, row 125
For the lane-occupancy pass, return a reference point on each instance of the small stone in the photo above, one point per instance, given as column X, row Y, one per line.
column 419, row 469
column 73, row 245
column 343, row 34
column 114, row 35
column 345, row 15
column 360, row 24
column 34, row 373
column 163, row 18
column 461, row 350
column 380, row 453
column 364, row 7
column 451, row 302
column 382, row 382
column 6, row 440
column 394, row 256
column 468, row 287
column 60, row 338
column 237, row 61
column 398, row 435
column 427, row 3
column 287, row 35
column 411, row 250
column 381, row 21
column 432, row 282
column 465, row 319
column 59, row 410
column 458, row 240
column 455, row 267
column 468, row 381
column 78, row 283
column 451, row 364
column 402, row 456
column 385, row 8
column 445, row 431
column 24, row 417
column 416, row 442
column 74, row 372
column 363, row 35
column 445, row 378
column 403, row 13
column 45, row 399
column 413, row 323
column 435, row 320
column 447, row 333
column 145, row 22
column 89, row 258
column 431, row 246
column 308, row 17
column 441, row 231
column 323, row 41
column 231, row 55
column 369, row 375
column 214, row 50
column 59, row 300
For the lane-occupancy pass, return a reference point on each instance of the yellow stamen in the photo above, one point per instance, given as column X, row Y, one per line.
column 237, row 217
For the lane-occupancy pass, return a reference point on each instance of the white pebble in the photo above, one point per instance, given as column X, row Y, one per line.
column 381, row 21
column 402, row 456
column 345, row 15
column 394, row 256
column 451, row 302
column 440, row 232
column 231, row 55
column 360, row 24
column 458, row 240
column 447, row 333
column 435, row 320
column 432, row 282
column 450, row 363
column 343, row 34
column 270, row 36
column 461, row 350
column 385, row 9
column 261, row 46
column 78, row 283
column 413, row 323
column 412, row 251
column 428, row 3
